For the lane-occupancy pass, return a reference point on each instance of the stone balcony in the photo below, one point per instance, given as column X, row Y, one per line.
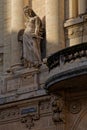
column 68, row 68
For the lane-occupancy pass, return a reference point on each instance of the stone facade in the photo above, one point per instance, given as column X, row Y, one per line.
column 25, row 104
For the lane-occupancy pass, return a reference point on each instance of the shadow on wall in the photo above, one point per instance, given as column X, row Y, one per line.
column 43, row 41
column 11, row 49
column 16, row 48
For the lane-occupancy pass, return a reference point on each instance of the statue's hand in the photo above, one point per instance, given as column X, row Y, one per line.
column 36, row 36
column 33, row 35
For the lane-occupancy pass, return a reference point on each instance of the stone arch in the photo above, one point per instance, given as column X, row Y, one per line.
column 81, row 121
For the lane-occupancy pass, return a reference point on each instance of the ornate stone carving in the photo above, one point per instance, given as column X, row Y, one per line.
column 29, row 114
column 57, row 108
column 75, row 31
column 9, row 114
column 28, row 120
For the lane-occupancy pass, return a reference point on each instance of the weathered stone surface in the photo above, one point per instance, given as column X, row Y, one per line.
column 24, row 103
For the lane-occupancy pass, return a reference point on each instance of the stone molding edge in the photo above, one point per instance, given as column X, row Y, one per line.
column 14, row 97
column 65, row 75
column 73, row 21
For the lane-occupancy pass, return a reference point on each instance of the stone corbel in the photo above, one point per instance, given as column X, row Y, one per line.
column 58, row 110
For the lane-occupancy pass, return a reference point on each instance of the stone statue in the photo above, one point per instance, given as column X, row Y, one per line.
column 32, row 38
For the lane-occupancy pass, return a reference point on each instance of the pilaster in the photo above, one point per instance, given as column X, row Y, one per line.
column 82, row 6
column 73, row 8
column 53, row 25
column 17, row 23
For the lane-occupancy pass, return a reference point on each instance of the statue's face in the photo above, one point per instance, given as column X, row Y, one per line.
column 28, row 13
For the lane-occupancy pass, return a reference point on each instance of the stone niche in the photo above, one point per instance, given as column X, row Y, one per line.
column 21, row 81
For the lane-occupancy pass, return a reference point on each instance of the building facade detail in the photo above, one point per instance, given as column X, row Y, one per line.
column 43, row 64
column 58, row 110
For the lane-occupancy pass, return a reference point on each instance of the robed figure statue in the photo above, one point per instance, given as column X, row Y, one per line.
column 31, row 39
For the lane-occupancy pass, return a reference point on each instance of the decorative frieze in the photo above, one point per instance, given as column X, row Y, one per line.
column 20, row 112
column 9, row 114
column 27, row 113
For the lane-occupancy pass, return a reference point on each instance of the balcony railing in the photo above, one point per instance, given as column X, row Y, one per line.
column 66, row 55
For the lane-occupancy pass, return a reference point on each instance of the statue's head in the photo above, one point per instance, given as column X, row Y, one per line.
column 29, row 12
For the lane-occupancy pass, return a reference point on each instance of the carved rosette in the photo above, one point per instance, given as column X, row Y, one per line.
column 75, row 107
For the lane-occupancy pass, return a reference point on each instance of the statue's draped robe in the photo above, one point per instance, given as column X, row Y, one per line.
column 30, row 41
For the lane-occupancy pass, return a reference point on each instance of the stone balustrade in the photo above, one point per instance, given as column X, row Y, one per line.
column 67, row 55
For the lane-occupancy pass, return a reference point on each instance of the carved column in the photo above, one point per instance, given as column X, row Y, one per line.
column 82, row 6
column 73, row 8
column 53, row 26
column 17, row 24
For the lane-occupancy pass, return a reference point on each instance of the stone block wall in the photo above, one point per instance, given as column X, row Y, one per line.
column 7, row 33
